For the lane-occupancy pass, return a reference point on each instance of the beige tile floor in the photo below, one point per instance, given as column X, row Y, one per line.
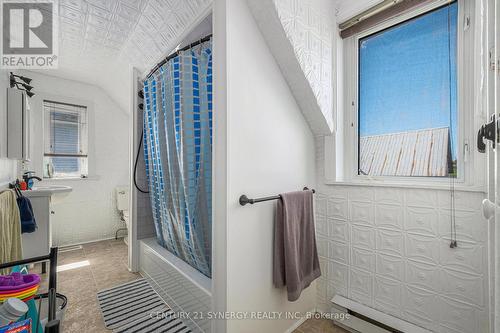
column 107, row 268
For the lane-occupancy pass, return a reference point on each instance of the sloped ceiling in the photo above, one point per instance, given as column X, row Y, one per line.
column 309, row 25
column 99, row 40
column 300, row 34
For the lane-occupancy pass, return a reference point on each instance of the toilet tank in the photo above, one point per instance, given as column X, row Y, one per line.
column 122, row 193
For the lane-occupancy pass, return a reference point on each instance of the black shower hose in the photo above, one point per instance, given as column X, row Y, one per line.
column 135, row 166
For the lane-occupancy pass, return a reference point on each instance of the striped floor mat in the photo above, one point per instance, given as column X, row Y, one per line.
column 134, row 307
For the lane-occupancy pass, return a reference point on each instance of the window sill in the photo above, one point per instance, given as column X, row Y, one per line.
column 442, row 186
column 94, row 178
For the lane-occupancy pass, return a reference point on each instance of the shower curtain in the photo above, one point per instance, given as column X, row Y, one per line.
column 178, row 154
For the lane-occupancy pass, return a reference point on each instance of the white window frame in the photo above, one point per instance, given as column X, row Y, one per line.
column 469, row 162
column 83, row 116
column 91, row 173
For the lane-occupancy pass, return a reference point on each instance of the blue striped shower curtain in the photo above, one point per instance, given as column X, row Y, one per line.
column 178, row 154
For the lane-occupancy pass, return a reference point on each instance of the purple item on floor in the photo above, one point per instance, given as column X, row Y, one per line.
column 16, row 281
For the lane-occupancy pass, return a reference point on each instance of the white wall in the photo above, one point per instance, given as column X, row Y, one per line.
column 266, row 147
column 388, row 248
column 8, row 168
column 89, row 212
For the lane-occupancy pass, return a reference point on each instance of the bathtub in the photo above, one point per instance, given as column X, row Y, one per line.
column 183, row 288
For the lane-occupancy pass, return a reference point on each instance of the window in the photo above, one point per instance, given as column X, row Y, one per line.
column 407, row 97
column 66, row 137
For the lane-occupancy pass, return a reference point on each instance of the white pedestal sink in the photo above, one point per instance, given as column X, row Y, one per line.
column 39, row 242
column 56, row 192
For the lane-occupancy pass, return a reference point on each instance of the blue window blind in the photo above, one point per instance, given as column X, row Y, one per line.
column 66, row 137
column 408, row 97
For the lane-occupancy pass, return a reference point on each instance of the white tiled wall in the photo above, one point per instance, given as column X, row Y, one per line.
column 388, row 248
column 144, row 215
column 145, row 224
column 7, row 172
column 88, row 213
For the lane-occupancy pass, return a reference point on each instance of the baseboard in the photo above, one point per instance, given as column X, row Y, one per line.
column 374, row 321
column 86, row 242
column 70, row 248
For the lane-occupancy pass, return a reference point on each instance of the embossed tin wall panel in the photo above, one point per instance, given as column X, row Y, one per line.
column 309, row 25
column 387, row 295
column 400, row 261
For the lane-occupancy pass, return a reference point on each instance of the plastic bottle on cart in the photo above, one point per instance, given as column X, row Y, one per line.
column 11, row 310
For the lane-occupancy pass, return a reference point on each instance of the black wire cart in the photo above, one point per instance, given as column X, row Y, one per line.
column 53, row 324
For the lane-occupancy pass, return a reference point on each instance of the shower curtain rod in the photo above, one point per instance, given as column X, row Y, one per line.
column 176, row 53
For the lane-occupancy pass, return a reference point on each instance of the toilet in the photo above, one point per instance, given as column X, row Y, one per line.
column 122, row 203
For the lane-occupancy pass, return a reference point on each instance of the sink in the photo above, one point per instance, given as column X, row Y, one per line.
column 42, row 197
column 47, row 190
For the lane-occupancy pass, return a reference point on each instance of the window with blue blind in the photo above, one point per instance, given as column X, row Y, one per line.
column 66, row 140
column 408, row 97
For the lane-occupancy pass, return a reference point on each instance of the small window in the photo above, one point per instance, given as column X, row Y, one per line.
column 66, row 137
column 407, row 91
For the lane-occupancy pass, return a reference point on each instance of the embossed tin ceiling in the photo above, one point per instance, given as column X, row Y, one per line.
column 138, row 32
column 99, row 40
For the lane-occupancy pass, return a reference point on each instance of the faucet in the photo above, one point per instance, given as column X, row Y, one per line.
column 28, row 177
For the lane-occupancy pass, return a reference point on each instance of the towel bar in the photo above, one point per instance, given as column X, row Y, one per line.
column 246, row 200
